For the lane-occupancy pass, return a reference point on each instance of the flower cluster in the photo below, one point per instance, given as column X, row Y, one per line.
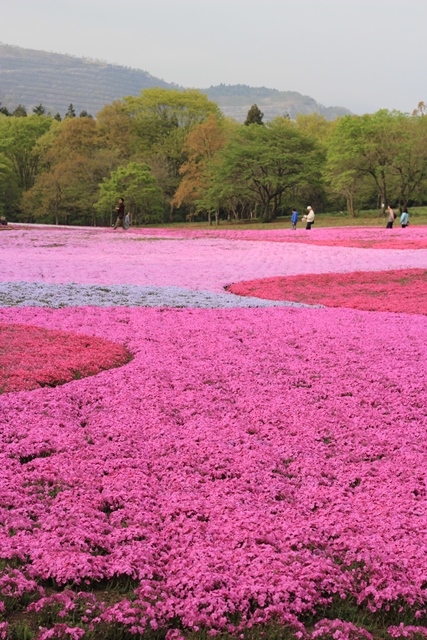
column 403, row 291
column 33, row 357
column 57, row 296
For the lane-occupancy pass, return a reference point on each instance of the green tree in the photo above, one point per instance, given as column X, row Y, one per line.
column 70, row 112
column 74, row 162
column 161, row 120
column 255, row 115
column 315, row 126
column 138, row 187
column 386, row 149
column 9, row 189
column 20, row 111
column 18, row 138
column 39, row 110
column 159, row 112
column 409, row 162
column 262, row 164
column 117, row 131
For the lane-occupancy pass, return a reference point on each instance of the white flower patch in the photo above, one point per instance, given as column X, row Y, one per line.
column 56, row 296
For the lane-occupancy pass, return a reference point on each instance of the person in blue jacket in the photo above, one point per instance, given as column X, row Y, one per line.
column 404, row 218
column 294, row 218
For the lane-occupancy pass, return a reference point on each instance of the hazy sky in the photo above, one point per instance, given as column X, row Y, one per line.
column 360, row 54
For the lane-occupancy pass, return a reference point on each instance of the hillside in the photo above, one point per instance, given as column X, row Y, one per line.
column 236, row 100
column 31, row 77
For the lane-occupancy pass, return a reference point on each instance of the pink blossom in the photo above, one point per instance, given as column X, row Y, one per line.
column 32, row 357
column 402, row 291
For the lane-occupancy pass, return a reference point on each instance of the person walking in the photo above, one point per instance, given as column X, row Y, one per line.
column 309, row 218
column 391, row 218
column 294, row 218
column 127, row 221
column 120, row 214
column 404, row 218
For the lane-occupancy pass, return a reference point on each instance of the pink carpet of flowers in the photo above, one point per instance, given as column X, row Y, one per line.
column 246, row 468
column 361, row 237
column 403, row 291
column 32, row 357
column 194, row 260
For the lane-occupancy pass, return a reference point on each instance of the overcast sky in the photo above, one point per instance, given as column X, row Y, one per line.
column 360, row 54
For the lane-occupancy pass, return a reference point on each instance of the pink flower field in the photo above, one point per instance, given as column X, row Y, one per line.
column 256, row 472
column 361, row 237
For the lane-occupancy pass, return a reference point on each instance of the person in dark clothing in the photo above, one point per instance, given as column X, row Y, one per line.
column 120, row 214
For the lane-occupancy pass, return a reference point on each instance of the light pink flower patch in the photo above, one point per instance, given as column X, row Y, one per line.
column 33, row 357
column 358, row 237
column 203, row 261
column 403, row 291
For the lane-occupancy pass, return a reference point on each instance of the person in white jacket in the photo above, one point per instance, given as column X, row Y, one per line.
column 309, row 218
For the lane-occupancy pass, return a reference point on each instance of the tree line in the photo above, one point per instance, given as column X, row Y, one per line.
column 173, row 156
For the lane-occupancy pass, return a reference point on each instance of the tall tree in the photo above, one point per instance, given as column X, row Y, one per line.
column 386, row 147
column 20, row 111
column 262, row 164
column 9, row 189
column 202, row 144
column 421, row 109
column 117, row 131
column 162, row 119
column 39, row 110
column 18, row 142
column 71, row 113
column 255, row 115
column 74, row 163
column 138, row 187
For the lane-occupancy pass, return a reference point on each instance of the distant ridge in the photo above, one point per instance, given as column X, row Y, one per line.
column 30, row 77
column 236, row 100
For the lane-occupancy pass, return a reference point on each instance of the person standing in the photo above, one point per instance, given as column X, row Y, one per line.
column 391, row 218
column 310, row 218
column 127, row 221
column 294, row 218
column 404, row 218
column 120, row 214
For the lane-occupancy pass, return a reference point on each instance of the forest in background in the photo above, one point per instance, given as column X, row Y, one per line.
column 174, row 156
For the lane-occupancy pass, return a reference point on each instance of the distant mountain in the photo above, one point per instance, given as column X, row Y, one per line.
column 236, row 100
column 31, row 77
